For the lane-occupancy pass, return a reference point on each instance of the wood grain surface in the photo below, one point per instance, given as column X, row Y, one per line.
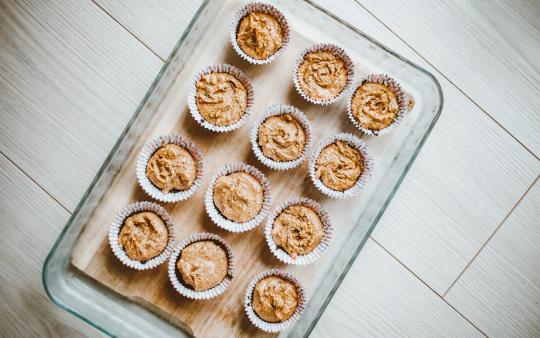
column 31, row 221
column 72, row 75
column 70, row 78
column 488, row 49
column 500, row 291
column 378, row 286
column 224, row 315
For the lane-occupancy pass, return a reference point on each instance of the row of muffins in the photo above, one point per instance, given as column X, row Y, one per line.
column 202, row 266
column 220, row 98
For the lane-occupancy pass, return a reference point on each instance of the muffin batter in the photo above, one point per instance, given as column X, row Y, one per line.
column 375, row 106
column 171, row 167
column 298, row 230
column 259, row 35
column 143, row 236
column 282, row 138
column 339, row 166
column 238, row 196
column 274, row 299
column 203, row 265
column 221, row 98
column 322, row 75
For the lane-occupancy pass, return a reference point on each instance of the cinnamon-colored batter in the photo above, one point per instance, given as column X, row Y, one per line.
column 375, row 106
column 238, row 196
column 259, row 35
column 322, row 75
column 203, row 265
column 282, row 138
column 298, row 230
column 339, row 166
column 275, row 299
column 221, row 98
column 143, row 236
column 171, row 167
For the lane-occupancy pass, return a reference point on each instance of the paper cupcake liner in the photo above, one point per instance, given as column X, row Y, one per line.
column 396, row 89
column 118, row 222
column 362, row 180
column 214, row 213
column 149, row 149
column 206, row 294
column 281, row 254
column 192, row 97
column 264, row 8
column 328, row 48
column 276, row 110
column 267, row 326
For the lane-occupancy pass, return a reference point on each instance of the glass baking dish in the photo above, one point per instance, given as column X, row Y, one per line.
column 115, row 315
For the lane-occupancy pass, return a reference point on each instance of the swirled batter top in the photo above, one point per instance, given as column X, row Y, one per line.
column 238, row 196
column 221, row 98
column 143, row 236
column 203, row 265
column 298, row 230
column 375, row 106
column 282, row 138
column 171, row 167
column 322, row 75
column 275, row 299
column 259, row 35
column 339, row 166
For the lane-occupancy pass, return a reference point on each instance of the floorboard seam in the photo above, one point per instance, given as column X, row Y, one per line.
column 445, row 77
column 35, row 182
column 427, row 285
column 489, row 238
column 127, row 30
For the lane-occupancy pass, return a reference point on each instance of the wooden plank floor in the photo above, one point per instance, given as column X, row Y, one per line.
column 454, row 254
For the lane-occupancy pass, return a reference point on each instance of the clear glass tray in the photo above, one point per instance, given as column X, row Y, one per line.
column 118, row 316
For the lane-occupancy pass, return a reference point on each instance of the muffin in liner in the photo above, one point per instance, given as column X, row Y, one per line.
column 334, row 49
column 311, row 257
column 261, row 8
column 118, row 223
column 146, row 153
column 364, row 178
column 403, row 102
column 185, row 290
column 267, row 326
column 192, row 97
column 276, row 110
column 214, row 213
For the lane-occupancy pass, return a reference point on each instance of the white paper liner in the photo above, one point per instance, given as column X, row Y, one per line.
column 276, row 110
column 328, row 47
column 118, row 222
column 280, row 253
column 267, row 326
column 149, row 149
column 362, row 180
column 396, row 89
column 214, row 213
column 192, row 97
column 206, row 294
column 264, row 8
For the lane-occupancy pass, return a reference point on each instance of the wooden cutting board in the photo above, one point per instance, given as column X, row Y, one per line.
column 224, row 315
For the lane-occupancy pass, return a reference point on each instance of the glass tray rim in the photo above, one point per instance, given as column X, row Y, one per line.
column 143, row 102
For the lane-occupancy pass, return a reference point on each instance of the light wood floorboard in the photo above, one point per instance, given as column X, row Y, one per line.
column 157, row 24
column 70, row 79
column 489, row 49
column 500, row 291
column 465, row 180
column 380, row 298
column 29, row 224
